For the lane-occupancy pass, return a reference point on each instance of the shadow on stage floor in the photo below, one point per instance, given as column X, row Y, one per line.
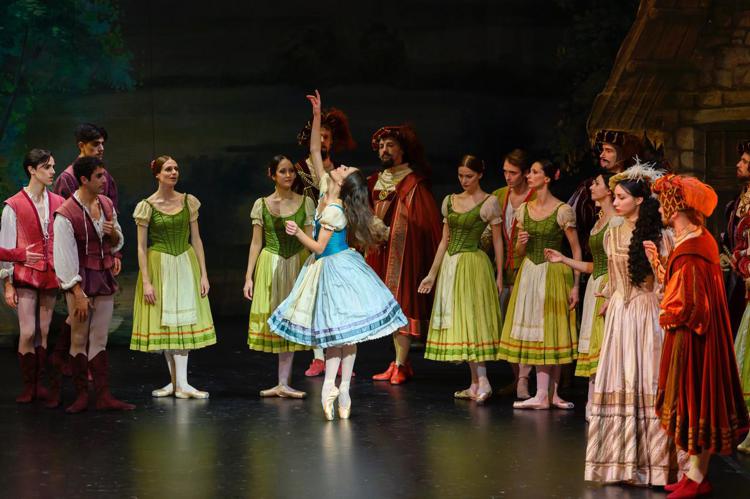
column 410, row 441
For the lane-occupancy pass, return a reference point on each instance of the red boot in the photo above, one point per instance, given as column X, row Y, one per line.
column 41, row 373
column 104, row 399
column 27, row 362
column 317, row 367
column 61, row 352
column 691, row 489
column 387, row 374
column 80, row 365
column 402, row 374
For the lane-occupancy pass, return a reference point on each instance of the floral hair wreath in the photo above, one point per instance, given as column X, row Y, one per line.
column 639, row 172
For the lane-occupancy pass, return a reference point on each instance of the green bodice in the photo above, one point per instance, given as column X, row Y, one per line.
column 465, row 228
column 277, row 241
column 169, row 233
column 596, row 243
column 545, row 233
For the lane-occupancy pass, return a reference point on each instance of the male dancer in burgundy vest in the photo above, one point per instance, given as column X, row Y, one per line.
column 736, row 210
column 90, row 140
column 401, row 197
column 30, row 284
column 87, row 238
column 335, row 136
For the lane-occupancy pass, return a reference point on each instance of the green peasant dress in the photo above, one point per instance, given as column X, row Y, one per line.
column 180, row 319
column 539, row 328
column 466, row 319
column 592, row 323
column 276, row 270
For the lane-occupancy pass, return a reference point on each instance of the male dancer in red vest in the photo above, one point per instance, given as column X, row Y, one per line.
column 30, row 284
column 87, row 238
column 90, row 141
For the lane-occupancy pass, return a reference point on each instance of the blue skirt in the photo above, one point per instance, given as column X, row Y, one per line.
column 337, row 300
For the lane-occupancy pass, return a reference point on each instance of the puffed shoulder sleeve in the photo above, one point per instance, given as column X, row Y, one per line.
column 256, row 214
column 444, row 208
column 519, row 215
column 142, row 213
column 491, row 212
column 333, row 218
column 566, row 217
column 193, row 205
column 309, row 211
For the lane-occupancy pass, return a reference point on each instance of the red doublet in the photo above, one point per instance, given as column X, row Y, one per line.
column 95, row 258
column 39, row 275
column 412, row 215
column 699, row 399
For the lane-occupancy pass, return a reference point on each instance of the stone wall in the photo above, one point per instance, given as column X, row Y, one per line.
column 713, row 92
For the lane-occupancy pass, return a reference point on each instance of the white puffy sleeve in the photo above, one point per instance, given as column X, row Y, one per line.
column 566, row 217
column 142, row 213
column 193, row 206
column 7, row 239
column 491, row 212
column 65, row 251
column 333, row 217
column 256, row 214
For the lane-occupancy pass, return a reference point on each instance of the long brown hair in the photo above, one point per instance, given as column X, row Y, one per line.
column 365, row 229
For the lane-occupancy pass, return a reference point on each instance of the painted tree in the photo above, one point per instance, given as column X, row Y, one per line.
column 60, row 47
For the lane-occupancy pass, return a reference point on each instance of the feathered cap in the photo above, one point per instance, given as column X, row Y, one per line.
column 338, row 123
column 743, row 147
column 678, row 192
column 639, row 172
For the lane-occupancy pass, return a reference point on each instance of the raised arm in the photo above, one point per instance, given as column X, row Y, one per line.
column 554, row 256
column 315, row 246
column 315, row 156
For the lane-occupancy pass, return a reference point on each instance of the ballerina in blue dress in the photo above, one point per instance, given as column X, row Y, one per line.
column 337, row 300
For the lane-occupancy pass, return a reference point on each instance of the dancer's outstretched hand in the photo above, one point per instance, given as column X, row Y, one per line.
column 315, row 101
column 292, row 228
column 426, row 285
column 117, row 267
column 148, row 293
column 603, row 308
column 31, row 255
column 553, row 256
column 247, row 290
column 204, row 286
column 81, row 307
column 11, row 297
column 573, row 298
column 523, row 238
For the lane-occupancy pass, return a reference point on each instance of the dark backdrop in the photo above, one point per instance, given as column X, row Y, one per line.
column 221, row 85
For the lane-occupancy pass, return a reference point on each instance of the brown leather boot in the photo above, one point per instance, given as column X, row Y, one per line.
column 80, row 365
column 27, row 362
column 104, row 399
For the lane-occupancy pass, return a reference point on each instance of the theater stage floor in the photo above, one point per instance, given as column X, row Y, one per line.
column 411, row 441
